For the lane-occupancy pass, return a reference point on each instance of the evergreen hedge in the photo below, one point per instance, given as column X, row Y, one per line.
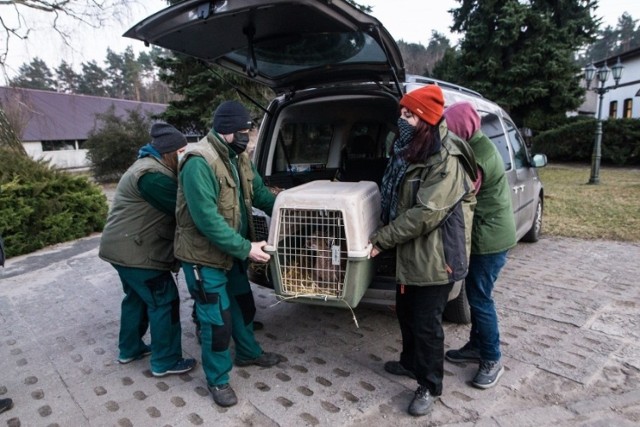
column 573, row 141
column 40, row 206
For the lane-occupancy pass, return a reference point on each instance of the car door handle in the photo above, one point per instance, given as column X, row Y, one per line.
column 518, row 188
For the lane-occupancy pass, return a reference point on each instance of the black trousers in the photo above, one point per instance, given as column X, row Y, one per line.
column 419, row 310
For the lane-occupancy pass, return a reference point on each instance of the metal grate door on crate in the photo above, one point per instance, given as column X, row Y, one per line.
column 312, row 251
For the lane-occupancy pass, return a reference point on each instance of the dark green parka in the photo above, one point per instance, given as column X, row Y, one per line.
column 432, row 232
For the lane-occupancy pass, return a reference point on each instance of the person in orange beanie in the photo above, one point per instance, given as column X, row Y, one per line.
column 427, row 212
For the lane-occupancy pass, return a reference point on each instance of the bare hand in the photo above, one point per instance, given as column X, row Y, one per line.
column 374, row 251
column 256, row 254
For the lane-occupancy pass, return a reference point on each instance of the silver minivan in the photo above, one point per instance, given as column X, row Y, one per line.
column 337, row 75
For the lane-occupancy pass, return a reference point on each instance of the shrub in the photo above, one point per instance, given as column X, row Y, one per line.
column 573, row 142
column 113, row 144
column 40, row 206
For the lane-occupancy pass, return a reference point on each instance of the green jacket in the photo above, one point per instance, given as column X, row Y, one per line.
column 432, row 232
column 216, row 190
column 494, row 228
column 137, row 234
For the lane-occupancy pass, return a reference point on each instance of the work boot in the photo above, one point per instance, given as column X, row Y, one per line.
column 180, row 367
column 5, row 405
column 422, row 402
column 488, row 374
column 266, row 360
column 467, row 353
column 396, row 368
column 223, row 395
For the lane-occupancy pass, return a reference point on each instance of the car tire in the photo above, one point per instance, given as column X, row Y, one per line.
column 533, row 235
column 458, row 310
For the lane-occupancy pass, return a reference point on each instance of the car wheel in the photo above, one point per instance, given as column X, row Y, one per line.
column 533, row 235
column 457, row 310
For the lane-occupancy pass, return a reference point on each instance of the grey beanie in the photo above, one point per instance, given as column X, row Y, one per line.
column 166, row 138
column 230, row 117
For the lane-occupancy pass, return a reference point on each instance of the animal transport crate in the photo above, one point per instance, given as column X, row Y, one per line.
column 318, row 242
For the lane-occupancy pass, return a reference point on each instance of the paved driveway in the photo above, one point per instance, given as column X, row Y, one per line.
column 570, row 328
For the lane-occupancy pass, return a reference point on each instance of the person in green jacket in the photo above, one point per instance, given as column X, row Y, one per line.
column 138, row 241
column 494, row 233
column 217, row 187
column 427, row 209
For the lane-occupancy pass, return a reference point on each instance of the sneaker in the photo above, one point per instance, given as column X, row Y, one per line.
column 396, row 368
column 422, row 402
column 465, row 354
column 223, row 395
column 125, row 360
column 488, row 374
column 5, row 405
column 180, row 367
column 266, row 360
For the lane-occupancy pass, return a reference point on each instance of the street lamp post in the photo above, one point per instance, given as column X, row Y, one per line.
column 602, row 74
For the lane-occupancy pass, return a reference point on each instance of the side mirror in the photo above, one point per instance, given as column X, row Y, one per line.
column 539, row 161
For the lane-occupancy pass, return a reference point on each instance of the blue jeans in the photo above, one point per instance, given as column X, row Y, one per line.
column 483, row 273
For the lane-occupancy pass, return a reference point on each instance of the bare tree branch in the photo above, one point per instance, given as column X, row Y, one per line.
column 17, row 17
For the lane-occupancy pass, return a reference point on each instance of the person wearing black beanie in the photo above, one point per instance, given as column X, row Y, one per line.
column 215, row 240
column 138, row 242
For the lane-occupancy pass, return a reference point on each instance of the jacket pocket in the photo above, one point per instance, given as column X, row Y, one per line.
column 454, row 244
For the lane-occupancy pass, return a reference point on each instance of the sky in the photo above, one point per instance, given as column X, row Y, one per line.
column 409, row 20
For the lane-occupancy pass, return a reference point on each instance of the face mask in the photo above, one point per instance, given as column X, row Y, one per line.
column 405, row 129
column 239, row 142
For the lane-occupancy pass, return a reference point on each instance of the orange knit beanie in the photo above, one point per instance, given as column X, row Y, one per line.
column 426, row 103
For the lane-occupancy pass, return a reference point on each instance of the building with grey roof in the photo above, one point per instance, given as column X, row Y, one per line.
column 54, row 126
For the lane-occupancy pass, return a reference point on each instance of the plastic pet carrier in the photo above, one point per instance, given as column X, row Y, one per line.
column 318, row 242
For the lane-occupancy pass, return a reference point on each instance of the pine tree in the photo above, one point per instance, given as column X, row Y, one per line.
column 520, row 54
column 35, row 75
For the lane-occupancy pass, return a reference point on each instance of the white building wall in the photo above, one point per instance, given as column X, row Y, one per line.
column 630, row 73
column 60, row 159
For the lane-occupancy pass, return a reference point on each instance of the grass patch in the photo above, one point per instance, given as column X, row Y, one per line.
column 573, row 208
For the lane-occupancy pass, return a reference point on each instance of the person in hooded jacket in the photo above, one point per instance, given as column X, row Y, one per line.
column 494, row 233
column 217, row 187
column 138, row 241
column 427, row 209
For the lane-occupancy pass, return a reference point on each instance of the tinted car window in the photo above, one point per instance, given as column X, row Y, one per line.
column 519, row 148
column 492, row 128
column 280, row 56
column 303, row 146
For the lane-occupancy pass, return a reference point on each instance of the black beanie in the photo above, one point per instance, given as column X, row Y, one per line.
column 166, row 138
column 230, row 117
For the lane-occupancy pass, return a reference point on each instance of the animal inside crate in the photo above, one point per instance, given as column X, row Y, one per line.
column 319, row 241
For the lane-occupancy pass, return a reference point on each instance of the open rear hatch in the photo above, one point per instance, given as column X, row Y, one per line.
column 286, row 45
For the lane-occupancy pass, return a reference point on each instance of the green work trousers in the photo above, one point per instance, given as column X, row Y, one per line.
column 225, row 310
column 151, row 298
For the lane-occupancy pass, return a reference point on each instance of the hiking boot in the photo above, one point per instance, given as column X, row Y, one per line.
column 396, row 368
column 422, row 402
column 5, row 405
column 180, row 367
column 488, row 374
column 467, row 353
column 223, row 395
column 266, row 360
column 125, row 360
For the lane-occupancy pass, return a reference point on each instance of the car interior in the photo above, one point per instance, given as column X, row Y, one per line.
column 339, row 138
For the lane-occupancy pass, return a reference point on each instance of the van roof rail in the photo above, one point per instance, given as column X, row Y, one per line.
column 412, row 78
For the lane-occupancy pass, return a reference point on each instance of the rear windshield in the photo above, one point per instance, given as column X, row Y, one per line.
column 284, row 55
